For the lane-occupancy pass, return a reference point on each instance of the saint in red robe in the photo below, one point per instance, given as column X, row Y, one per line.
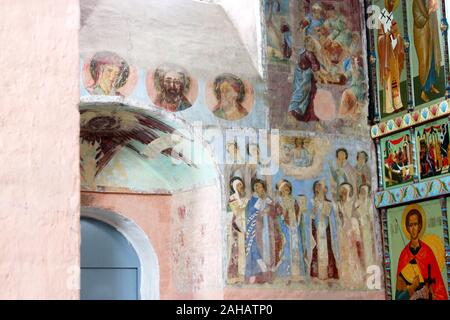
column 426, row 261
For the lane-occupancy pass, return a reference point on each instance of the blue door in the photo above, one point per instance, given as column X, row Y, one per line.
column 110, row 267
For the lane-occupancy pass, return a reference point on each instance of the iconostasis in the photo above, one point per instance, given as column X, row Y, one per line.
column 409, row 69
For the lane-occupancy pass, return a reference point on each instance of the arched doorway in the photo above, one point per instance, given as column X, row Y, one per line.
column 131, row 236
column 153, row 169
column 110, row 268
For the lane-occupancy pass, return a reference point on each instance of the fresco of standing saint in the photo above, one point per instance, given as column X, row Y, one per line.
column 351, row 264
column 263, row 241
column 279, row 34
column 365, row 211
column 322, row 254
column 304, row 87
column 236, row 244
column 292, row 264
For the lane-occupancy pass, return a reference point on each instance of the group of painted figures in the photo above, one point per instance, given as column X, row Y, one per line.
column 331, row 54
column 293, row 239
column 434, row 148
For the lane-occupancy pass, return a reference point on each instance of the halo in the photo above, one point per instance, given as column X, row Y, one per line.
column 422, row 213
column 249, row 97
column 125, row 89
column 153, row 86
column 437, row 246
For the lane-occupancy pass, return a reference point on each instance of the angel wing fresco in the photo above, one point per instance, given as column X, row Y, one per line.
column 112, row 130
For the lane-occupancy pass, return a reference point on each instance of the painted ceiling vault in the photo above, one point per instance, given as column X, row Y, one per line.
column 125, row 148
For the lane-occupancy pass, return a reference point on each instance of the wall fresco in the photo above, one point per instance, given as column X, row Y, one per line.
column 195, row 243
column 229, row 97
column 324, row 79
column 311, row 222
column 133, row 150
column 279, row 30
column 172, row 88
column 106, row 73
column 304, row 226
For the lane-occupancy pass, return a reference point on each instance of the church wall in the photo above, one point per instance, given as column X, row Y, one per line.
column 283, row 294
column 197, row 243
column 187, row 243
column 201, row 98
column 39, row 129
column 152, row 214
column 246, row 18
column 322, row 123
column 306, row 147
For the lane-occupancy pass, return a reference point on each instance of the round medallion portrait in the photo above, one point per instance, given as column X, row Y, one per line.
column 172, row 88
column 229, row 97
column 106, row 73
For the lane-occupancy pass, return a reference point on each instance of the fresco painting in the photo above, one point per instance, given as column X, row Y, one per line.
column 215, row 99
column 229, row 97
column 397, row 161
column 304, row 89
column 297, row 152
column 427, row 50
column 326, row 76
column 279, row 30
column 432, row 141
column 302, row 156
column 172, row 88
column 302, row 231
column 133, row 150
column 334, row 36
column 106, row 73
column 417, row 252
column 312, row 225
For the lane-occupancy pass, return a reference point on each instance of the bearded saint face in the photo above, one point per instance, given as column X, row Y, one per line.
column 173, row 86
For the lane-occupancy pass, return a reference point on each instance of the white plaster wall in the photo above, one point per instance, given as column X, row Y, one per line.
column 196, row 35
column 196, row 245
column 39, row 132
column 246, row 18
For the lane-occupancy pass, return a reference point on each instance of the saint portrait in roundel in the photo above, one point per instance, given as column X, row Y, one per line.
column 419, row 272
column 229, row 97
column 172, row 88
column 108, row 74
